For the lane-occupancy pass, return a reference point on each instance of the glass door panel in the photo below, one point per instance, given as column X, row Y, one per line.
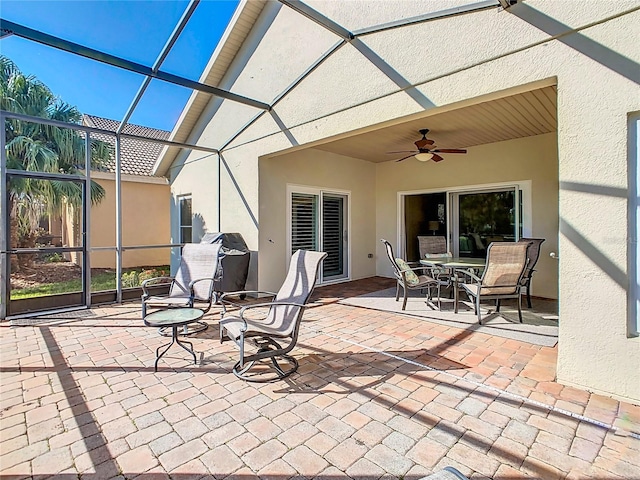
column 424, row 215
column 481, row 218
column 334, row 236
column 319, row 222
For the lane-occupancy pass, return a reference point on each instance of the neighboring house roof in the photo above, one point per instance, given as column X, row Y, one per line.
column 137, row 157
column 228, row 47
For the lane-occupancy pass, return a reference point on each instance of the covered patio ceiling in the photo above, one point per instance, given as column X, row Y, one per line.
column 517, row 115
column 488, row 120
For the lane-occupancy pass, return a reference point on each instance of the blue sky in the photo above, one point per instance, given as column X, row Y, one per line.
column 132, row 29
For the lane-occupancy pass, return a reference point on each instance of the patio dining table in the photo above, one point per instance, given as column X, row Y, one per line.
column 456, row 264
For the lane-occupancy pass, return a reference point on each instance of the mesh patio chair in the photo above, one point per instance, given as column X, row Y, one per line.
column 502, row 276
column 431, row 245
column 533, row 252
column 282, row 322
column 435, row 246
column 407, row 278
column 192, row 285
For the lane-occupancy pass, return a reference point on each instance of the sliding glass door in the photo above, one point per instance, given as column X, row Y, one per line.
column 482, row 217
column 319, row 222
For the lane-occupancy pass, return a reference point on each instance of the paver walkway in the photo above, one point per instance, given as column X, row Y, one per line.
column 377, row 395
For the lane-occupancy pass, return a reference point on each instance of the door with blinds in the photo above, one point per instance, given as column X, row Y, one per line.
column 319, row 222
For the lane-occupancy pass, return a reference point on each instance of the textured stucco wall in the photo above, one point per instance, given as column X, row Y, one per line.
column 457, row 60
column 531, row 159
column 145, row 221
column 316, row 169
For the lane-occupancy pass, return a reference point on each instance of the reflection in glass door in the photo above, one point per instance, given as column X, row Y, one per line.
column 483, row 217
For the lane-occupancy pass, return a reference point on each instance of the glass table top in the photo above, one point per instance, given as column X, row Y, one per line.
column 173, row 316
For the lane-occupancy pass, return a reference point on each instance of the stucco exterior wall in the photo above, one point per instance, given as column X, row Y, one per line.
column 317, row 169
column 145, row 221
column 382, row 78
column 531, row 159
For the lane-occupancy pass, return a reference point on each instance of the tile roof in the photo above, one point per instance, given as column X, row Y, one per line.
column 137, row 156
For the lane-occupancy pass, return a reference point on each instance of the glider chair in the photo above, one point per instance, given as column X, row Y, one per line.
column 192, row 285
column 502, row 276
column 407, row 278
column 280, row 324
column 533, row 252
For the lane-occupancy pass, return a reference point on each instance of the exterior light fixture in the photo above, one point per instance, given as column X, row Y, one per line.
column 423, row 157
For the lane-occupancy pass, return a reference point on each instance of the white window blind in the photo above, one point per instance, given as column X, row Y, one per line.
column 304, row 221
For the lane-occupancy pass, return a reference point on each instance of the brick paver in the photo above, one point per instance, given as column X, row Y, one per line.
column 82, row 398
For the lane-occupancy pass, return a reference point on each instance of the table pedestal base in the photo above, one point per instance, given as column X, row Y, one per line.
column 174, row 339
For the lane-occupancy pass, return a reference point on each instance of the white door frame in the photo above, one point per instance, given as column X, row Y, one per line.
column 319, row 191
column 523, row 185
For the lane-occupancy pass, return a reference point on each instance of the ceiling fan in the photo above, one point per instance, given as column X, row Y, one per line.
column 425, row 151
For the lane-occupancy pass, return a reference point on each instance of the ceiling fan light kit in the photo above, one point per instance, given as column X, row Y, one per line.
column 423, row 157
column 425, row 153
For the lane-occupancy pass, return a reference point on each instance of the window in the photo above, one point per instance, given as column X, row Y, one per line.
column 318, row 221
column 185, row 220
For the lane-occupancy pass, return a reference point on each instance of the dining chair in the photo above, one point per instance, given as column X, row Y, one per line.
column 435, row 246
column 431, row 244
column 533, row 253
column 502, row 276
column 407, row 278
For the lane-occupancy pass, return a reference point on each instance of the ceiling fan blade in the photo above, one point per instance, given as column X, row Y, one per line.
column 437, row 158
column 404, row 158
column 401, row 151
column 449, row 150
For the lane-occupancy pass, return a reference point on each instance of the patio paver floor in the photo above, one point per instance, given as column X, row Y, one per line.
column 377, row 395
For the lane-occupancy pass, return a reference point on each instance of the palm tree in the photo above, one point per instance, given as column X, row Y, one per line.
column 42, row 148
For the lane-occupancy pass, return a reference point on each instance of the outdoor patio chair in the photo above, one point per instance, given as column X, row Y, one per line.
column 431, row 244
column 407, row 278
column 192, row 285
column 502, row 276
column 282, row 321
column 435, row 246
column 533, row 253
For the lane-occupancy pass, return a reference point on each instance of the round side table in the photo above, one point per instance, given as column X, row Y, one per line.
column 173, row 318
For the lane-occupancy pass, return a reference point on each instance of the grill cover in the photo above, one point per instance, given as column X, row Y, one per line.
column 234, row 265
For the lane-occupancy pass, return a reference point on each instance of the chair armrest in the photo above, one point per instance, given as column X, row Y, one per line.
column 193, row 282
column 245, row 292
column 224, row 302
column 155, row 281
column 414, row 269
column 469, row 273
column 518, row 285
column 264, row 305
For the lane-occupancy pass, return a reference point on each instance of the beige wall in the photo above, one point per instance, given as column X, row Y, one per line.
column 316, row 169
column 533, row 159
column 589, row 48
column 145, row 221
